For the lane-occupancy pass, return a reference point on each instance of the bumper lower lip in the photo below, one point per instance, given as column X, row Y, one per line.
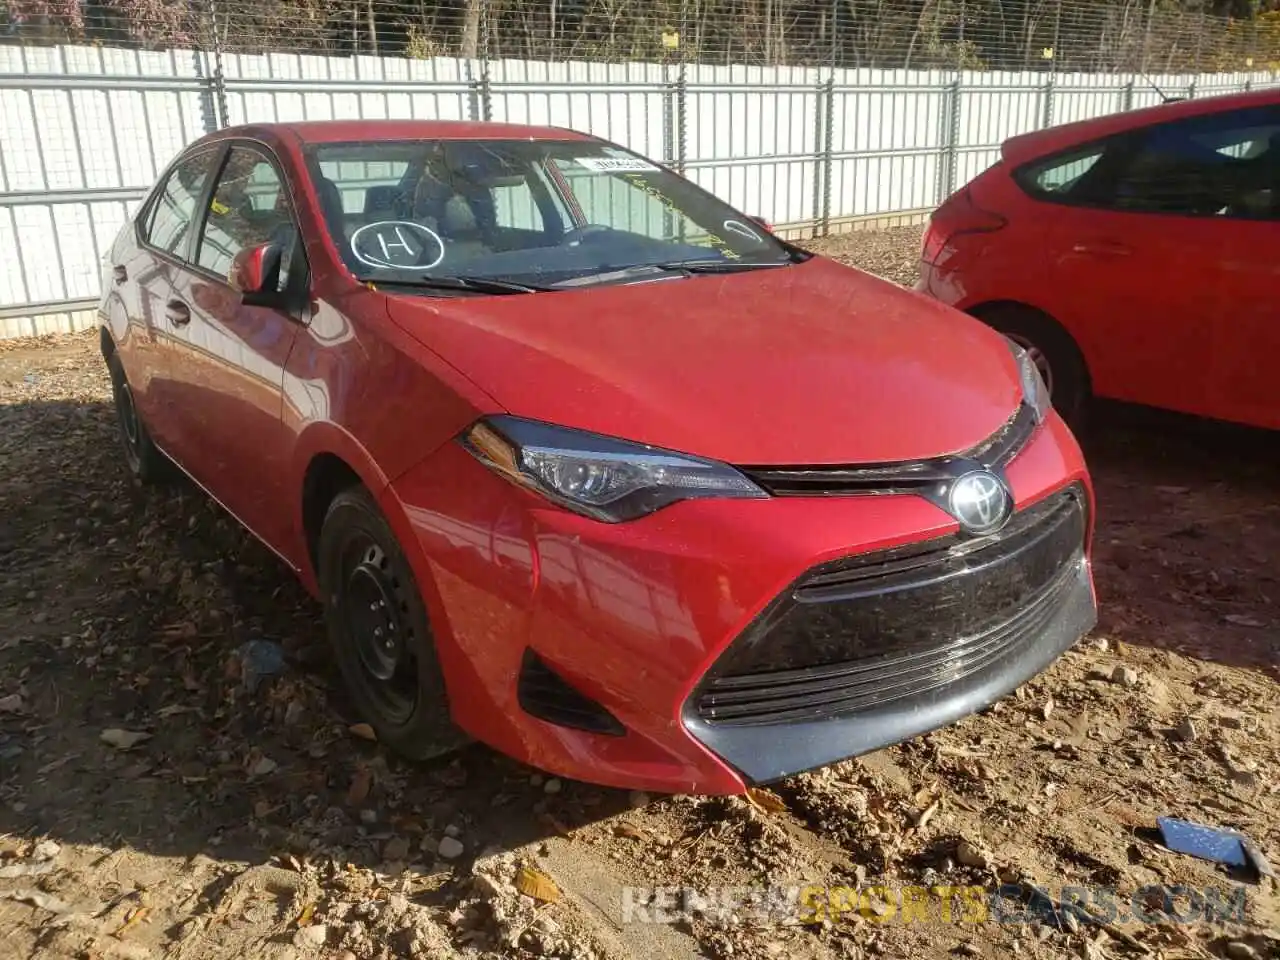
column 766, row 752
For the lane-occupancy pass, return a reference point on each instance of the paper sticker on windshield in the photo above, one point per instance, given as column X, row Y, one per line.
column 397, row 244
column 615, row 164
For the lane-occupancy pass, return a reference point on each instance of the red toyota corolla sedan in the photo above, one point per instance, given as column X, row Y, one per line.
column 587, row 465
column 1135, row 256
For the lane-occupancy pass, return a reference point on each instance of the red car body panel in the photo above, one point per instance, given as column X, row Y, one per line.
column 652, row 362
column 251, row 402
column 1167, row 310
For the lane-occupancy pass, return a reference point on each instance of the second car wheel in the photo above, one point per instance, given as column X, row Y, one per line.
column 1051, row 349
column 380, row 630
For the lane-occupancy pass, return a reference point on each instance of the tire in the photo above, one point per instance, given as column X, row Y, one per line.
column 141, row 456
column 380, row 631
column 1054, row 351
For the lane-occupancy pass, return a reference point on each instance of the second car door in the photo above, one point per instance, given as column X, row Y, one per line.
column 229, row 384
column 1142, row 292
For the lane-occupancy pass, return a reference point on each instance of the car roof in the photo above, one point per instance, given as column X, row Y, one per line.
column 1028, row 146
column 338, row 131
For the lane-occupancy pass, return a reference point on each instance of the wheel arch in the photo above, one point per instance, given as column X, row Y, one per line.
column 990, row 311
column 327, row 461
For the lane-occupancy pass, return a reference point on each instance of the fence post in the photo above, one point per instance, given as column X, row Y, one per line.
column 486, row 92
column 681, row 117
column 1047, row 113
column 947, row 169
column 218, row 82
column 823, row 140
column 668, row 115
column 1126, row 98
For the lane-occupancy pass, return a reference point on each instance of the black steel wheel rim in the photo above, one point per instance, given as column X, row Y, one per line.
column 127, row 414
column 375, row 613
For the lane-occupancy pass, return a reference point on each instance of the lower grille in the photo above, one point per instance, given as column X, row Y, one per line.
column 544, row 694
column 866, row 631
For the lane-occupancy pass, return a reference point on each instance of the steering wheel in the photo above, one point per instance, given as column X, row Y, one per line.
column 572, row 238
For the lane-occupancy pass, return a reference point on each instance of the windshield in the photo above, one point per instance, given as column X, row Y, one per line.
column 538, row 213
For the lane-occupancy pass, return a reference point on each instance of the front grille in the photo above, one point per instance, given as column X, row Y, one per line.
column 900, row 477
column 864, row 631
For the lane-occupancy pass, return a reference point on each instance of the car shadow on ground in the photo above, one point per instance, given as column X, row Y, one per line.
column 126, row 609
column 1187, row 555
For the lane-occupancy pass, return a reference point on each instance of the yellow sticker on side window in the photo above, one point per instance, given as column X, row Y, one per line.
column 221, row 209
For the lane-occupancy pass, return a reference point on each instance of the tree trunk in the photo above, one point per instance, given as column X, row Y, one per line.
column 471, row 29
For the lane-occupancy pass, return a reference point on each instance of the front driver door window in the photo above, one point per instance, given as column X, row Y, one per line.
column 250, row 207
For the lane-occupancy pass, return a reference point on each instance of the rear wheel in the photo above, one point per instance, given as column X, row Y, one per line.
column 1051, row 349
column 141, row 456
column 380, row 631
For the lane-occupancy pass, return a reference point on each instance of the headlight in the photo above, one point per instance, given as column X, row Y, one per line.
column 1034, row 391
column 606, row 479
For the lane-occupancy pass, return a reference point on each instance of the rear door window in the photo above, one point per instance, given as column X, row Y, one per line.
column 168, row 223
column 1220, row 165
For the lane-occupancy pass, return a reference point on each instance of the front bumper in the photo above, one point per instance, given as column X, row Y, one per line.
column 640, row 621
column 873, row 650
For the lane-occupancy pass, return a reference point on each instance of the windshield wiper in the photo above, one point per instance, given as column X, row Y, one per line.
column 629, row 274
column 458, row 282
column 715, row 266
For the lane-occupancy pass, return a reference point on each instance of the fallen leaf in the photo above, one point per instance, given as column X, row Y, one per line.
column 11, row 704
column 123, row 739
column 304, row 918
column 927, row 813
column 556, row 826
column 179, row 631
column 361, row 784
column 132, row 919
column 264, row 766
column 363, row 731
column 534, row 883
column 628, row 831
column 766, row 800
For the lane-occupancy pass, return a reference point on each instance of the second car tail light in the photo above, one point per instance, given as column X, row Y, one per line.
column 960, row 215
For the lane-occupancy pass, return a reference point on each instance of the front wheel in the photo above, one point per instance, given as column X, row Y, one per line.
column 1052, row 350
column 380, row 631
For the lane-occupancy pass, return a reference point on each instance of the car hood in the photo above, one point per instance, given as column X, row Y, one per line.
column 815, row 363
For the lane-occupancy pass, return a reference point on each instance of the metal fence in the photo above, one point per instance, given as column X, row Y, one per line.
column 84, row 129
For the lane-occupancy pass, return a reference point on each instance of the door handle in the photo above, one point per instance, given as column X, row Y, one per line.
column 177, row 313
column 1103, row 248
column 120, row 273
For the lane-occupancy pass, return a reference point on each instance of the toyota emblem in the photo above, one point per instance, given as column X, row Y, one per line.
column 980, row 502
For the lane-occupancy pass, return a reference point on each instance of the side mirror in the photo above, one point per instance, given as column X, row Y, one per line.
column 255, row 272
column 761, row 222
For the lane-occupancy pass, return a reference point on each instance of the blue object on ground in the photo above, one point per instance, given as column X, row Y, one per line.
column 260, row 659
column 1208, row 843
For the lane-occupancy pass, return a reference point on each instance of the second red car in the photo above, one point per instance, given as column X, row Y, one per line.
column 1136, row 256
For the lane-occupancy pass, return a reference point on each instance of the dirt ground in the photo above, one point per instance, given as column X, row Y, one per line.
column 159, row 799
